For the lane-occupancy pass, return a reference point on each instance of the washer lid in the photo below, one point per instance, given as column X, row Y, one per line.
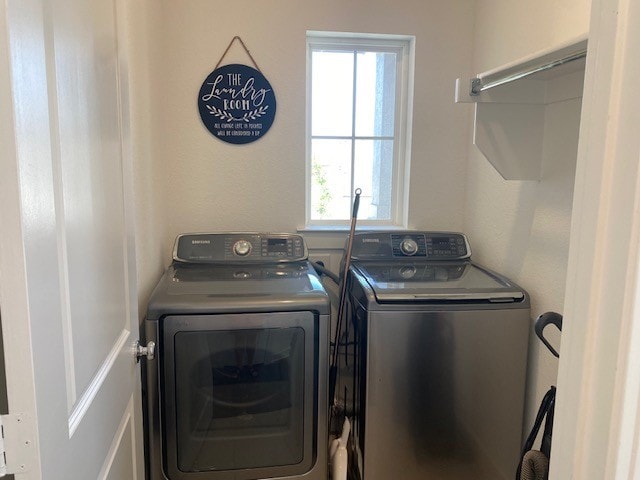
column 432, row 281
column 196, row 288
column 240, row 280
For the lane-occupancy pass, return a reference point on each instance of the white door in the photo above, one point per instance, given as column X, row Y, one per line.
column 67, row 269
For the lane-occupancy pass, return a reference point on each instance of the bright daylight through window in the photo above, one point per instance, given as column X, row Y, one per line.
column 358, row 100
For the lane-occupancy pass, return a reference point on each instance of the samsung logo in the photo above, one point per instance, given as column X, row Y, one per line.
column 370, row 240
column 200, row 242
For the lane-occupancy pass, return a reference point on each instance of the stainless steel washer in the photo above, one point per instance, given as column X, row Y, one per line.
column 433, row 360
column 238, row 388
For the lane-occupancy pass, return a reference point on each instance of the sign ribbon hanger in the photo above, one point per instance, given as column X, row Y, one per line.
column 245, row 49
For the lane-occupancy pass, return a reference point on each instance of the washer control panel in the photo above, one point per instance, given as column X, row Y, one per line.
column 249, row 247
column 454, row 246
column 410, row 244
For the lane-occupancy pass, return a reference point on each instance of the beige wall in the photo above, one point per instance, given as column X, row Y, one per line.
column 212, row 185
column 142, row 55
column 186, row 180
column 506, row 30
column 521, row 228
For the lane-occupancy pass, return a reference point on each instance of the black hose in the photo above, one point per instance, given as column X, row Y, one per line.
column 326, row 272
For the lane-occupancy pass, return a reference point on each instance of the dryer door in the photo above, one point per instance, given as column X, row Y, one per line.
column 238, row 395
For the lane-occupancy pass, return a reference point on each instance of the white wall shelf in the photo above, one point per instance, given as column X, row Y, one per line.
column 509, row 118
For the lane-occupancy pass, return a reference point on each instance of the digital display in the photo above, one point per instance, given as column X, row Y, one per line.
column 277, row 245
column 440, row 241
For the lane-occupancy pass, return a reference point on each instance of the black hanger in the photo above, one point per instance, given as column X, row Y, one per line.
column 541, row 322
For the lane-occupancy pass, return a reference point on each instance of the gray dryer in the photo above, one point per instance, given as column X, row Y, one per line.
column 237, row 389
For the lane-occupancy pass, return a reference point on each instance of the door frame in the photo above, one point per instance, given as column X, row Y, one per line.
column 21, row 394
column 597, row 427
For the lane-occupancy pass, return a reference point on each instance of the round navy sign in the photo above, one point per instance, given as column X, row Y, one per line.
column 237, row 104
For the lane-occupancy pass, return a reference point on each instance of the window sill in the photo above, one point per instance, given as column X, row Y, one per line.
column 346, row 228
column 330, row 237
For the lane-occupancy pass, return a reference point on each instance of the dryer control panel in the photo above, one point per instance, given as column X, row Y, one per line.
column 410, row 244
column 236, row 247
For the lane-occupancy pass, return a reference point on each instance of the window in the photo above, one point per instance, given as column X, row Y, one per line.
column 359, row 91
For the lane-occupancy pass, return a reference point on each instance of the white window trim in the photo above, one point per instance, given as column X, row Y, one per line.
column 405, row 46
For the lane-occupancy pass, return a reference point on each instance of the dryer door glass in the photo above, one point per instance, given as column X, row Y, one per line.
column 240, row 397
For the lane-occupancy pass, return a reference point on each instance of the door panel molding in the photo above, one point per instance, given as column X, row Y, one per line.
column 86, row 400
column 123, row 439
column 58, row 198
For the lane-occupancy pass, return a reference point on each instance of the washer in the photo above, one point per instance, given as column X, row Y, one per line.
column 238, row 386
column 432, row 360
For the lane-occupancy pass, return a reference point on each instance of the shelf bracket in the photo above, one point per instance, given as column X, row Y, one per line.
column 475, row 87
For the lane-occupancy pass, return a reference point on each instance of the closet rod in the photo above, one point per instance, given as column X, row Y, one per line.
column 476, row 83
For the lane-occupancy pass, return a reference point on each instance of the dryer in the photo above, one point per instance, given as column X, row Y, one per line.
column 433, row 360
column 237, row 389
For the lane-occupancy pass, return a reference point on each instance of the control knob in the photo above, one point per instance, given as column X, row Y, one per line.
column 408, row 272
column 242, row 248
column 408, row 246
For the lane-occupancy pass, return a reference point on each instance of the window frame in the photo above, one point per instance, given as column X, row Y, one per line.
column 404, row 47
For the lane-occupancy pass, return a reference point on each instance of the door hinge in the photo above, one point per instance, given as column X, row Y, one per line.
column 16, row 444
